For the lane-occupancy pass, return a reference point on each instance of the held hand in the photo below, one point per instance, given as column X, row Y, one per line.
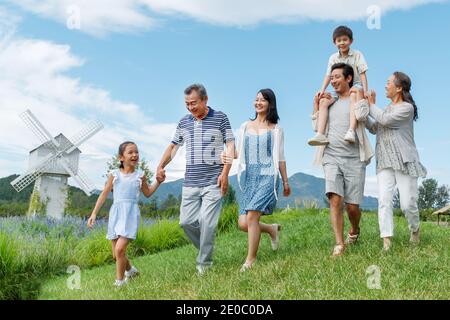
column 366, row 95
column 318, row 95
column 222, row 181
column 91, row 221
column 327, row 95
column 160, row 179
column 287, row 189
column 372, row 97
column 317, row 98
column 160, row 175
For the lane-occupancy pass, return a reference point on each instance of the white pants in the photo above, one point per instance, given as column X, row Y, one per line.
column 407, row 187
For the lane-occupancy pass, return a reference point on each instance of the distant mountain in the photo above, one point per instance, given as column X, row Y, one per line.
column 304, row 187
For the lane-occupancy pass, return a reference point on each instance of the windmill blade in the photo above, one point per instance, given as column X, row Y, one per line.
column 80, row 177
column 38, row 129
column 87, row 132
column 31, row 175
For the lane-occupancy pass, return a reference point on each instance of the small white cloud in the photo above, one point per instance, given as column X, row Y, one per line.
column 96, row 17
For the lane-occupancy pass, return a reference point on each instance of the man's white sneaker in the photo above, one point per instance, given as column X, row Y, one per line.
column 318, row 140
column 415, row 237
column 350, row 136
column 133, row 272
column 201, row 270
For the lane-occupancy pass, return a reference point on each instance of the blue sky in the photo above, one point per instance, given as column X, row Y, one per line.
column 133, row 81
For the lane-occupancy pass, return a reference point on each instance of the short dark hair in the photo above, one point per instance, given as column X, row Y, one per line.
column 347, row 70
column 342, row 31
column 196, row 87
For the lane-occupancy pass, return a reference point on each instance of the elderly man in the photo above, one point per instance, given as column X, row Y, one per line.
column 204, row 131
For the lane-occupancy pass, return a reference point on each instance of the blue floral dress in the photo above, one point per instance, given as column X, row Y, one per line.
column 259, row 182
column 124, row 215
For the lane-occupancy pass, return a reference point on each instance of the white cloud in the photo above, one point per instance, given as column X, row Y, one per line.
column 33, row 75
column 99, row 17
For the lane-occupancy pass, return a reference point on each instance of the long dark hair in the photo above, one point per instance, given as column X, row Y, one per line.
column 122, row 148
column 402, row 80
column 272, row 113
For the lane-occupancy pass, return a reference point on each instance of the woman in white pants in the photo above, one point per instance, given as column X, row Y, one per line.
column 398, row 163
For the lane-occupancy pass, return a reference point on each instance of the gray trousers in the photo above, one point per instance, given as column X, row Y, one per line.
column 199, row 215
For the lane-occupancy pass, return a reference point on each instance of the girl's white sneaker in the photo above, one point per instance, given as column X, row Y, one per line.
column 120, row 283
column 133, row 272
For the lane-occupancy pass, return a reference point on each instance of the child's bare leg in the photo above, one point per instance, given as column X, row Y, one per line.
column 113, row 245
column 355, row 96
column 122, row 262
column 324, row 104
column 320, row 139
column 315, row 108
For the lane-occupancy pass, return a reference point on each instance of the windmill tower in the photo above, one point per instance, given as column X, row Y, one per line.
column 51, row 164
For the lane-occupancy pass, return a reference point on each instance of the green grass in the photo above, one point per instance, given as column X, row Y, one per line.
column 301, row 269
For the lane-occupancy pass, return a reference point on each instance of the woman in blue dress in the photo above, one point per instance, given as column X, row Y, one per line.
column 124, row 215
column 261, row 155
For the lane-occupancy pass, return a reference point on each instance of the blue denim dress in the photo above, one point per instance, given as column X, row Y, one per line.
column 259, row 191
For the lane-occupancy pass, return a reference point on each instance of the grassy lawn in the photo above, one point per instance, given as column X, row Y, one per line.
column 301, row 269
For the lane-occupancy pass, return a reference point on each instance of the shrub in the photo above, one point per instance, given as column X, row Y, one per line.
column 228, row 218
column 163, row 235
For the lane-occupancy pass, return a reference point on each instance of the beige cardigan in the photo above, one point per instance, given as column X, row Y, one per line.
column 365, row 149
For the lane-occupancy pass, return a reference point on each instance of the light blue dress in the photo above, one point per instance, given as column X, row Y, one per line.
column 124, row 215
column 259, row 188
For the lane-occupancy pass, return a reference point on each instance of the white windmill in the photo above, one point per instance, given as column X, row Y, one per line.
column 51, row 164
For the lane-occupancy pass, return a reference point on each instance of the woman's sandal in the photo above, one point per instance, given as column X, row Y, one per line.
column 338, row 250
column 276, row 242
column 246, row 266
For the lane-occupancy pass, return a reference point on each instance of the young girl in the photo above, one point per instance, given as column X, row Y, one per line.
column 124, row 214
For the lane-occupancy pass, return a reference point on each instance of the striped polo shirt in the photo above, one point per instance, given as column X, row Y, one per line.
column 204, row 141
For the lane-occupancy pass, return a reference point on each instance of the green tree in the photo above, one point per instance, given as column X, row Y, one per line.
column 170, row 202
column 230, row 196
column 431, row 196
